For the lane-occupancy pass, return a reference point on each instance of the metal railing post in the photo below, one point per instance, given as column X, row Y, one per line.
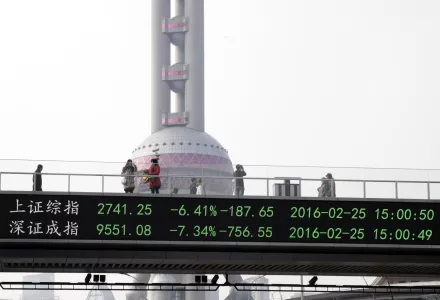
column 299, row 188
column 68, row 183
column 332, row 186
column 267, row 187
column 397, row 189
column 428, row 185
column 0, row 181
column 365, row 188
column 139, row 181
column 169, row 185
column 102, row 179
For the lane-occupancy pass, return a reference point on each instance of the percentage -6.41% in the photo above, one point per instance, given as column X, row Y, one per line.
column 200, row 210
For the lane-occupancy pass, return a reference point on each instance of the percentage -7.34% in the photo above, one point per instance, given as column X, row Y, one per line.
column 195, row 231
column 200, row 210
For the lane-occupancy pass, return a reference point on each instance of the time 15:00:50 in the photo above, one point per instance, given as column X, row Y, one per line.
column 405, row 214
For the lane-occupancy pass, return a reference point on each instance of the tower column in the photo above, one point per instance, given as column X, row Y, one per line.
column 180, row 56
column 160, row 56
column 194, row 57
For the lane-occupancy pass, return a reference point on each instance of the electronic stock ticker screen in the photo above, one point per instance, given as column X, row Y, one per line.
column 174, row 219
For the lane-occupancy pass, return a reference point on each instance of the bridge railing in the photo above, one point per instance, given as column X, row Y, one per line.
column 254, row 186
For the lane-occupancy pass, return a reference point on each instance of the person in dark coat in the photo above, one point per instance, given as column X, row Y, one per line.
column 193, row 186
column 328, row 187
column 239, row 184
column 129, row 170
column 331, row 185
column 37, row 180
column 155, row 181
column 322, row 188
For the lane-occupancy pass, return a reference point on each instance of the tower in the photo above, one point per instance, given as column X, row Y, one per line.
column 179, row 136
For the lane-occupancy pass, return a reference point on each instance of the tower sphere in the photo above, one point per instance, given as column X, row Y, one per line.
column 186, row 152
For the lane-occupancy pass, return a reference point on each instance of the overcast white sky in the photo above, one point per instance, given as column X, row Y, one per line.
column 341, row 82
column 317, row 82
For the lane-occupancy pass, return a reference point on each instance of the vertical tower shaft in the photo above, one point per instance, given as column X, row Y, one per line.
column 160, row 56
column 180, row 56
column 194, row 57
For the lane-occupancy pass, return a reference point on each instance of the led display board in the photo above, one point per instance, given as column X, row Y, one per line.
column 223, row 220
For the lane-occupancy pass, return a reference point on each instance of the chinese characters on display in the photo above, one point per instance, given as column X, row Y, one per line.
column 45, row 220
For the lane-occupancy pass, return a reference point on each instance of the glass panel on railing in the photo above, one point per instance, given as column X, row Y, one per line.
column 434, row 189
column 413, row 190
column 17, row 182
column 349, row 189
column 86, row 184
column 381, row 190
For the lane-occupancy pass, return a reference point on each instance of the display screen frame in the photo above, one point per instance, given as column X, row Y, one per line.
column 234, row 244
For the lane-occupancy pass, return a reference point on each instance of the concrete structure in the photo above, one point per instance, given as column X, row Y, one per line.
column 258, row 295
column 379, row 281
column 178, row 136
column 101, row 294
column 39, row 294
column 170, row 295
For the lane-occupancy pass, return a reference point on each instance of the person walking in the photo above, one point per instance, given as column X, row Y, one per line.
column 321, row 189
column 193, row 186
column 155, row 182
column 128, row 181
column 239, row 184
column 37, row 179
column 200, row 187
column 328, row 187
column 331, row 185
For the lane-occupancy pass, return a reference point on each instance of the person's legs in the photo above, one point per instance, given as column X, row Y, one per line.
column 157, row 190
column 239, row 191
column 131, row 190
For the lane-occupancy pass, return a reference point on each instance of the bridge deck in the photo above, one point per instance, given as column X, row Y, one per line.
column 252, row 235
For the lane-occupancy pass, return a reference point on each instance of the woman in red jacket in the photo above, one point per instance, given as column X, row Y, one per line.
column 154, row 182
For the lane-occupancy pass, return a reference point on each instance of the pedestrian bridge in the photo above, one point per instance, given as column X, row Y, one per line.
column 71, row 231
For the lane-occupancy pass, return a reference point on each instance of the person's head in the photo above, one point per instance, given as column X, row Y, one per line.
column 129, row 163
column 329, row 176
column 39, row 168
column 199, row 181
column 154, row 161
column 239, row 167
column 193, row 179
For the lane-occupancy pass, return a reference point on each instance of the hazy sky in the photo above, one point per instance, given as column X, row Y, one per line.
column 318, row 82
column 287, row 82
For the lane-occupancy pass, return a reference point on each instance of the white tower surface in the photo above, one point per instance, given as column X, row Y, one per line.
column 195, row 57
column 160, row 56
column 179, row 137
